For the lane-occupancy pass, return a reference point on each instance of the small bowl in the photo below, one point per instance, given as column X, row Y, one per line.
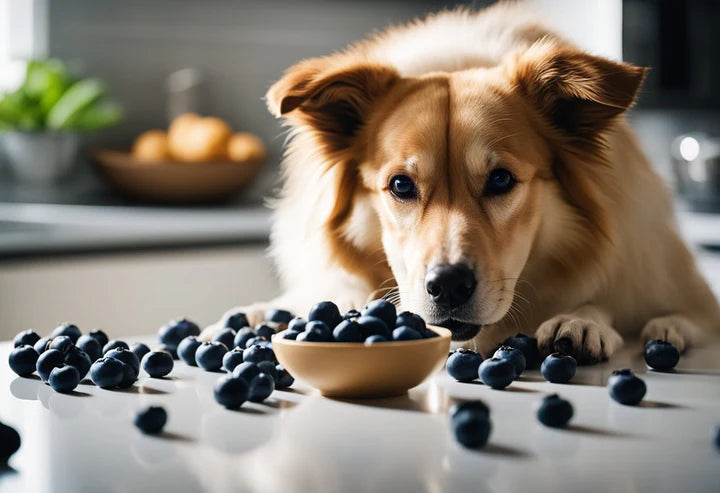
column 353, row 370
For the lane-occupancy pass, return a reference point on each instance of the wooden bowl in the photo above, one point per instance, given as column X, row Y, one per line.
column 353, row 370
column 174, row 182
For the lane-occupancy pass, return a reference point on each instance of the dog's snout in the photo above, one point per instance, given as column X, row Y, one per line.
column 450, row 285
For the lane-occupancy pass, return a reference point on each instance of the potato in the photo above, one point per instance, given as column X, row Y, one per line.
column 243, row 147
column 195, row 139
column 151, row 147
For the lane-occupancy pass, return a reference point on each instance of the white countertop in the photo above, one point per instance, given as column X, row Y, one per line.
column 299, row 441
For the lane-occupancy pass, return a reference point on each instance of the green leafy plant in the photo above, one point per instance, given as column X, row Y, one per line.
column 51, row 99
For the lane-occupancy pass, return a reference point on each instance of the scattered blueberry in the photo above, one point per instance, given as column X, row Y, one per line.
column 247, row 371
column 297, row 324
column 209, row 355
column 78, row 359
column 175, row 331
column 261, row 387
column 350, row 314
column 554, row 411
column 127, row 357
column 23, row 360
column 375, row 339
column 463, row 365
column 411, row 320
column 382, row 309
column 172, row 351
column 661, row 355
column 107, row 373
column 325, row 311
column 558, row 368
column 100, row 336
column 625, row 387
column 9, row 442
column 278, row 316
column 259, row 341
column 187, row 348
column 47, row 361
column 316, row 331
column 140, row 350
column 157, row 364
column 42, row 345
column 405, row 333
column 61, row 343
column 64, row 378
column 91, row 346
column 470, row 422
column 242, row 337
column 348, row 331
column 232, row 359
column 128, row 375
column 268, row 367
column 496, row 373
column 113, row 344
column 514, row 355
column 284, row 379
column 231, row 392
column 529, row 347
column 26, row 337
column 235, row 321
column 66, row 329
column 151, row 420
column 226, row 337
column 717, row 438
column 264, row 330
column 373, row 325
column 256, row 354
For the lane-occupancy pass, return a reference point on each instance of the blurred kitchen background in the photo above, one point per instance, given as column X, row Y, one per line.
column 125, row 240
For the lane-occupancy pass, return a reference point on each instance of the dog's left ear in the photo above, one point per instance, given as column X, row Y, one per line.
column 578, row 93
column 330, row 96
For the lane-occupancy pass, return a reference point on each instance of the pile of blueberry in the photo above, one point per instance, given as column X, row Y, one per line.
column 377, row 322
column 9, row 442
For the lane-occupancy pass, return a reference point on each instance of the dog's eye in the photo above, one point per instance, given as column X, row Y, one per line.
column 500, row 181
column 402, row 187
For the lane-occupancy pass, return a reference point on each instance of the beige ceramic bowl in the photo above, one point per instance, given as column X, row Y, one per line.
column 354, row 370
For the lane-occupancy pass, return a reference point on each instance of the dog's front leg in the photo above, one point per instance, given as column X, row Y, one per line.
column 586, row 333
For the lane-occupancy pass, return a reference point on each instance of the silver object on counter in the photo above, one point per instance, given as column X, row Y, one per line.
column 40, row 157
column 696, row 162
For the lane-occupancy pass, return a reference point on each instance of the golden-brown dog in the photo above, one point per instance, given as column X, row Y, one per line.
column 476, row 169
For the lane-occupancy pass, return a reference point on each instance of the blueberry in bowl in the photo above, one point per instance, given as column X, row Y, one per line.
column 554, row 411
column 382, row 309
column 558, row 368
column 661, row 355
column 316, row 331
column 348, row 331
column 626, row 388
column 326, row 312
column 405, row 333
column 463, row 365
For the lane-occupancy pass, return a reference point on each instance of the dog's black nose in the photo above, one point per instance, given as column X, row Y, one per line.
column 450, row 285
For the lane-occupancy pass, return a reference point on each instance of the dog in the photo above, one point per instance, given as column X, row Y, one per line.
column 476, row 168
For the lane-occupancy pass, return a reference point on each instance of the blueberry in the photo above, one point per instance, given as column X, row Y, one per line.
column 23, row 360
column 172, row 351
column 325, row 311
column 373, row 325
column 64, row 378
column 350, row 314
column 284, row 379
column 382, row 309
column 91, row 346
column 316, row 331
column 9, row 442
column 625, row 387
column 348, row 331
column 100, row 336
column 263, row 330
column 259, row 341
column 209, row 355
column 107, row 373
column 405, row 333
column 151, row 420
column 157, row 364
column 471, row 424
column 42, row 345
column 717, row 437
column 232, row 359
column 256, row 354
column 411, row 320
column 375, row 339
column 289, row 334
column 554, row 411
column 175, row 331
column 226, row 337
column 558, row 368
column 47, row 361
column 514, row 355
column 26, row 337
column 128, row 375
column 61, row 343
column 127, row 357
column 66, row 329
column 113, row 344
column 278, row 316
column 496, row 373
column 187, row 348
column 268, row 367
column 261, row 387
column 235, row 321
column 231, row 392
column 474, row 406
column 78, row 359
column 529, row 347
column 242, row 337
column 247, row 371
column 661, row 355
column 140, row 350
column 297, row 324
column 463, row 365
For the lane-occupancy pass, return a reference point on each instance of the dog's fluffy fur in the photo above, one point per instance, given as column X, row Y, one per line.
column 584, row 248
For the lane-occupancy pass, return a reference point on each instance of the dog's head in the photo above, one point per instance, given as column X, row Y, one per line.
column 466, row 171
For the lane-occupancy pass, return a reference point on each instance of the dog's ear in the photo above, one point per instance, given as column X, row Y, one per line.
column 330, row 96
column 578, row 93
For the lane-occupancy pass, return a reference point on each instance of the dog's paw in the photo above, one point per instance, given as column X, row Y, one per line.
column 588, row 341
column 254, row 313
column 675, row 329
